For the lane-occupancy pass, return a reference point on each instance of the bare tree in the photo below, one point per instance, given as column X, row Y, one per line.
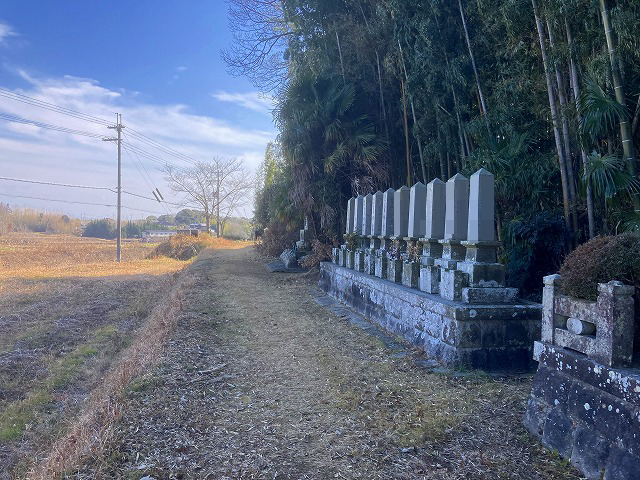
column 260, row 35
column 219, row 187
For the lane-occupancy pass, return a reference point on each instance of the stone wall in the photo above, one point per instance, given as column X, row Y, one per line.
column 585, row 399
column 477, row 336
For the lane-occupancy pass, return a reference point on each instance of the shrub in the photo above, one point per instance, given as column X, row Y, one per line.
column 182, row 247
column 320, row 252
column 276, row 239
column 599, row 261
column 99, row 229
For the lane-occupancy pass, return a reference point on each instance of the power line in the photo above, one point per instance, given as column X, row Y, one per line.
column 51, row 107
column 79, row 203
column 163, row 148
column 15, row 118
column 40, row 182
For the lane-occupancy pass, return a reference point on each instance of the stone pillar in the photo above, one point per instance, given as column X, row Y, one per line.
column 387, row 213
column 417, row 211
column 386, row 232
column 367, row 203
column 486, row 277
column 376, row 214
column 401, row 212
column 434, row 232
column 552, row 284
column 351, row 206
column 615, row 327
column 452, row 281
column 357, row 216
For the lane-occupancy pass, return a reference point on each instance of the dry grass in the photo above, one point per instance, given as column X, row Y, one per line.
column 94, row 427
column 39, row 256
column 73, row 322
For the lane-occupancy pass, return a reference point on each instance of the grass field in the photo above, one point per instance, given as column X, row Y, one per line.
column 67, row 312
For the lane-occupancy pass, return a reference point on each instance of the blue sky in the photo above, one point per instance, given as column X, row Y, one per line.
column 156, row 62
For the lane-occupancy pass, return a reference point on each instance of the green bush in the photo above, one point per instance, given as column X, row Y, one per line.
column 599, row 261
column 100, row 229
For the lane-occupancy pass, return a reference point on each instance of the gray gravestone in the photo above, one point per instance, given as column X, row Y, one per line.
column 376, row 214
column 366, row 215
column 417, row 210
column 387, row 213
column 436, row 200
column 457, row 208
column 401, row 212
column 357, row 217
column 351, row 205
column 481, row 226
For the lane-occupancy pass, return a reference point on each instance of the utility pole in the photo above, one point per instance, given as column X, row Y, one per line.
column 118, row 128
column 218, row 203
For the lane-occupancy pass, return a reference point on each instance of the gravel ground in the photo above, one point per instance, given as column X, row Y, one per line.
column 259, row 381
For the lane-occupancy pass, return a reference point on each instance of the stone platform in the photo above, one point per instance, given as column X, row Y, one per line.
column 587, row 412
column 491, row 337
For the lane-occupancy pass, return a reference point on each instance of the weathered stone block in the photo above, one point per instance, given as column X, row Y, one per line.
column 451, row 284
column 410, row 274
column 369, row 262
column 381, row 264
column 489, row 295
column 490, row 275
column 359, row 260
column 558, row 433
column 429, row 279
column 590, row 452
column 350, row 259
column 622, row 465
column 289, row 259
column 334, row 255
column 394, row 270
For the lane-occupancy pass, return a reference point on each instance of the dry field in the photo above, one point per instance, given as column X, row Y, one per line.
column 67, row 312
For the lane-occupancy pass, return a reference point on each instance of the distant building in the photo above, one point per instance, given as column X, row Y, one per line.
column 148, row 235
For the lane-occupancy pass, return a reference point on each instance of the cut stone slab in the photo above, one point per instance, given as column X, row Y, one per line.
column 376, row 214
column 457, row 208
column 367, row 204
column 351, row 207
column 387, row 212
column 357, row 216
column 435, row 209
column 417, row 210
column 401, row 212
column 481, row 223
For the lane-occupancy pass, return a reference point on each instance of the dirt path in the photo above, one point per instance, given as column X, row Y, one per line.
column 258, row 381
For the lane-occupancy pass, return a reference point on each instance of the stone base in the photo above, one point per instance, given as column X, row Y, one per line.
column 477, row 295
column 483, row 274
column 359, row 261
column 410, row 274
column 381, row 264
column 394, row 270
column 451, row 284
column 349, row 259
column 369, row 262
column 587, row 412
column 494, row 337
column 429, row 279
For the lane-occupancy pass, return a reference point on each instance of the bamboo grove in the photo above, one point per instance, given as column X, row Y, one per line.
column 376, row 94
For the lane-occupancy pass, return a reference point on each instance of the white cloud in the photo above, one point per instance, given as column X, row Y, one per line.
column 251, row 100
column 35, row 153
column 181, row 69
column 6, row 31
